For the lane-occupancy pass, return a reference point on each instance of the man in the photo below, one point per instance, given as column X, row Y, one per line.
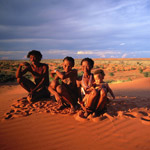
column 40, row 72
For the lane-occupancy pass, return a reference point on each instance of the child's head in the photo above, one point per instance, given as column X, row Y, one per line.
column 68, row 63
column 35, row 56
column 87, row 64
column 99, row 76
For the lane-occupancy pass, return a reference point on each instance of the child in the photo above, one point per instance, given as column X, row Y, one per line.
column 65, row 93
column 102, row 88
column 39, row 71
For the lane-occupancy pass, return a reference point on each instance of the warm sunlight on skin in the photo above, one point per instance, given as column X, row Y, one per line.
column 98, row 78
column 67, row 66
column 86, row 68
column 34, row 59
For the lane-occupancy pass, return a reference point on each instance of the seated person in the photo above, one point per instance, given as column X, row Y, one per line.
column 66, row 92
column 94, row 95
column 38, row 88
column 102, row 89
column 85, row 83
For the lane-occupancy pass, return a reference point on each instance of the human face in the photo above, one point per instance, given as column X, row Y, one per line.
column 33, row 59
column 98, row 78
column 86, row 67
column 67, row 66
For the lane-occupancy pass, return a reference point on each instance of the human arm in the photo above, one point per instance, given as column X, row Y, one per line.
column 111, row 92
column 80, row 101
column 78, row 83
column 43, row 79
column 64, row 75
column 20, row 71
column 55, row 93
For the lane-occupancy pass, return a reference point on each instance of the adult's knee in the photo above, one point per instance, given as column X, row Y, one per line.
column 53, row 84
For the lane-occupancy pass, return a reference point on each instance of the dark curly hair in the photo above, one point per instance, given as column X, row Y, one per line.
column 99, row 71
column 36, row 53
column 89, row 60
column 70, row 59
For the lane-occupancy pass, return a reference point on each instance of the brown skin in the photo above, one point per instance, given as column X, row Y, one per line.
column 68, row 78
column 39, row 72
column 87, row 72
column 96, row 98
column 103, row 93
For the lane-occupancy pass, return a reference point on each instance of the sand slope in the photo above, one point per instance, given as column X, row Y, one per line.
column 126, row 125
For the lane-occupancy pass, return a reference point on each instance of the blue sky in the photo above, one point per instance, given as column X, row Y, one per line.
column 77, row 28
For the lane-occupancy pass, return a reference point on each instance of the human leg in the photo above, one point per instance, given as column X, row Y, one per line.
column 41, row 93
column 27, row 84
column 101, row 102
column 66, row 96
column 92, row 100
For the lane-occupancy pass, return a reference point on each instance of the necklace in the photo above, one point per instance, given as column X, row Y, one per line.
column 89, row 83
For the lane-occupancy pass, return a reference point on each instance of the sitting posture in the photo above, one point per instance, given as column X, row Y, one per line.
column 38, row 88
column 85, row 85
column 65, row 92
column 101, row 89
column 92, row 89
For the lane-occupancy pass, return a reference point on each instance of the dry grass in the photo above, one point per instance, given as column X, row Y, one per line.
column 122, row 69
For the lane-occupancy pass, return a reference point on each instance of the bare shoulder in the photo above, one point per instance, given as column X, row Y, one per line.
column 44, row 66
column 72, row 73
column 106, row 84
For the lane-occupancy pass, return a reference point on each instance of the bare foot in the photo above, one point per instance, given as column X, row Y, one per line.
column 72, row 110
column 61, row 107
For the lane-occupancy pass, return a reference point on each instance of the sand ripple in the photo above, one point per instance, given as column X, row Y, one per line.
column 121, row 107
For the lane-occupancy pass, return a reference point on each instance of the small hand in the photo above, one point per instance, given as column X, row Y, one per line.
column 52, row 73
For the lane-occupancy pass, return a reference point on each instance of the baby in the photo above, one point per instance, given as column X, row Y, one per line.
column 102, row 88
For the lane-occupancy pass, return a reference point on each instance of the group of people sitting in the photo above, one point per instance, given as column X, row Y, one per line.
column 88, row 91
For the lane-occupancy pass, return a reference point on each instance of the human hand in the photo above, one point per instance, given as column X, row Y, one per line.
column 25, row 64
column 58, row 98
column 81, row 102
column 52, row 73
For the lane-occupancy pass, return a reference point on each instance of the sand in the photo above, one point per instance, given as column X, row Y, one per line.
column 126, row 125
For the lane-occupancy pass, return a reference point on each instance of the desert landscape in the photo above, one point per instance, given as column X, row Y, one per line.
column 125, row 125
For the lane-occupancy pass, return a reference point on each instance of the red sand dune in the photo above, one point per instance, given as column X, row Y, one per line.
column 126, row 125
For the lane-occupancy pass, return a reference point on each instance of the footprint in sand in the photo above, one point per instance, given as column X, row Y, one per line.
column 129, row 115
column 97, row 119
column 145, row 120
column 143, row 113
column 7, row 116
column 80, row 117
